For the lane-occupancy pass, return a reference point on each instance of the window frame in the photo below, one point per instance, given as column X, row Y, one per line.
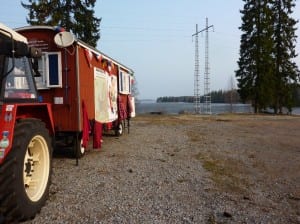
column 124, row 82
column 44, row 68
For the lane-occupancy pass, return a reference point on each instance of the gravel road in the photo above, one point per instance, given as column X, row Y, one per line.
column 183, row 169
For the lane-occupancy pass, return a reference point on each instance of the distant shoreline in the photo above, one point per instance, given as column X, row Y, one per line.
column 151, row 106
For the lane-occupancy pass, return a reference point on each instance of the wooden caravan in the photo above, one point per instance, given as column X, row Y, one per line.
column 84, row 86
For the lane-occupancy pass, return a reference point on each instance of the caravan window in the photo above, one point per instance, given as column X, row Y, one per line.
column 50, row 71
column 124, row 82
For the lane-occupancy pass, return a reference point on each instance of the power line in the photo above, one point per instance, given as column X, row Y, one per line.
column 207, row 96
column 197, row 107
column 197, row 96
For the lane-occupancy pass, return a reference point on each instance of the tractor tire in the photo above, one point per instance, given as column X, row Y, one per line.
column 26, row 172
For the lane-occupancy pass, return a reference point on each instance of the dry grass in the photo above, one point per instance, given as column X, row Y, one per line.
column 260, row 137
column 170, row 120
column 226, row 174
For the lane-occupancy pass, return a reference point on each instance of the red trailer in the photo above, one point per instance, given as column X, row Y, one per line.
column 88, row 90
column 53, row 93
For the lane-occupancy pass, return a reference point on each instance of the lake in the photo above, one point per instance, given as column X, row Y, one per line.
column 150, row 106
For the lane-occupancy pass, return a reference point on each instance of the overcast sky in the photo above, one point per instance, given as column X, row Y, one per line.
column 154, row 38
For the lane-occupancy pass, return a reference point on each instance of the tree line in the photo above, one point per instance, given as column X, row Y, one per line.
column 220, row 96
column 267, row 75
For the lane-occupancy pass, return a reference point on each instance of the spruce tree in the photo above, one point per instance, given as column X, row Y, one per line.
column 286, row 74
column 76, row 16
column 255, row 62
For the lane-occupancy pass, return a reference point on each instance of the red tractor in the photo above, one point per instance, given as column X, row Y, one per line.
column 26, row 131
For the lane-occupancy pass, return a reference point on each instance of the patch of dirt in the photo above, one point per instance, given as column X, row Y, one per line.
column 250, row 158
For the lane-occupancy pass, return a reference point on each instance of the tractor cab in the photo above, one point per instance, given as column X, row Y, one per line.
column 17, row 80
column 17, row 62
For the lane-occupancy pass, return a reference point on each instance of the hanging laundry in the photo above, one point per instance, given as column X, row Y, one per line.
column 97, row 135
column 86, row 126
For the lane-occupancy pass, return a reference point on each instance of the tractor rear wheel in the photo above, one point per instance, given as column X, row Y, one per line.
column 26, row 172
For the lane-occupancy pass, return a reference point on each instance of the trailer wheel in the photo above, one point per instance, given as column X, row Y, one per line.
column 26, row 172
column 79, row 150
column 119, row 129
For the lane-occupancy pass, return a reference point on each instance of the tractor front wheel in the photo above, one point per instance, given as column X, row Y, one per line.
column 25, row 174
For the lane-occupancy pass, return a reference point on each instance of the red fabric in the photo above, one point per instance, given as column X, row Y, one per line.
column 89, row 56
column 86, row 126
column 122, row 110
column 109, row 126
column 97, row 135
column 129, row 104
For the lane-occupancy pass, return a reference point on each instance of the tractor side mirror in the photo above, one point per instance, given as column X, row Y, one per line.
column 35, row 67
column 34, row 52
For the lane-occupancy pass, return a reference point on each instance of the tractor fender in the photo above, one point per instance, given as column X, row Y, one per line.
column 11, row 113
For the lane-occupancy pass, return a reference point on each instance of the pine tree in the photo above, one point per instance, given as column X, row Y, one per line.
column 267, row 75
column 286, row 72
column 76, row 16
column 255, row 63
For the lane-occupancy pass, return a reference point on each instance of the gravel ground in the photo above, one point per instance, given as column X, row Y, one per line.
column 183, row 169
